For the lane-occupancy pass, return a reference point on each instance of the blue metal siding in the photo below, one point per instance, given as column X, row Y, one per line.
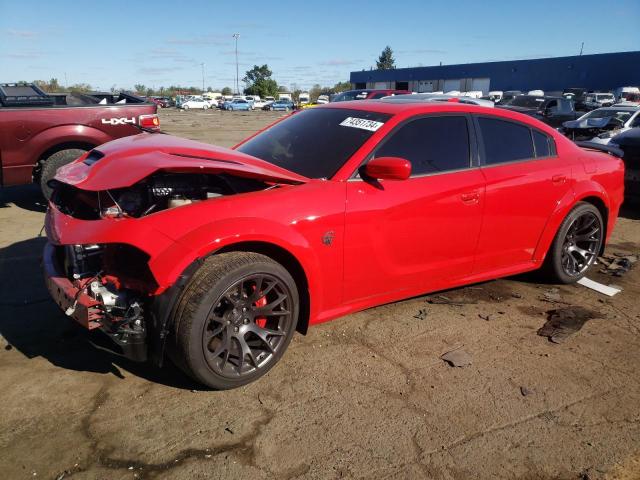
column 604, row 71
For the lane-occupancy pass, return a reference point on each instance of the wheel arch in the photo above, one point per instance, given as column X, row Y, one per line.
column 289, row 262
column 591, row 194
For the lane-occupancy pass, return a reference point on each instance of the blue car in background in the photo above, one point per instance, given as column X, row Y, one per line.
column 237, row 104
column 282, row 104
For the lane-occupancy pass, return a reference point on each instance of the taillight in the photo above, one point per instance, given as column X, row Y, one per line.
column 149, row 121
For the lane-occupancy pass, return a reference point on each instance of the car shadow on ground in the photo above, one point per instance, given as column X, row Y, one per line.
column 32, row 323
column 630, row 209
column 27, row 197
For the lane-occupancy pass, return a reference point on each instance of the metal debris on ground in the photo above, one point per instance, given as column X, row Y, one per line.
column 599, row 287
column 564, row 322
column 618, row 264
column 525, row 392
column 457, row 358
column 443, row 300
column 421, row 315
column 486, row 317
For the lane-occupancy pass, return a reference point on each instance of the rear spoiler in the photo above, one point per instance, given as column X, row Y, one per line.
column 615, row 151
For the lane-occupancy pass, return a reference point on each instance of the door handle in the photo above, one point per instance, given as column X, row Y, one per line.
column 470, row 197
column 559, row 179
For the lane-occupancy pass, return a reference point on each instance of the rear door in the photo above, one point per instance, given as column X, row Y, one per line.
column 419, row 232
column 525, row 180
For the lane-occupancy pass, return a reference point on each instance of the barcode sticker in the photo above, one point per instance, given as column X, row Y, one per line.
column 362, row 123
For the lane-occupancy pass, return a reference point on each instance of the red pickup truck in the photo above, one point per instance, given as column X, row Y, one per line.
column 40, row 132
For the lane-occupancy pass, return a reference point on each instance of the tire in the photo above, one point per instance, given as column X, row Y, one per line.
column 52, row 164
column 208, row 324
column 205, row 107
column 185, row 107
column 581, row 231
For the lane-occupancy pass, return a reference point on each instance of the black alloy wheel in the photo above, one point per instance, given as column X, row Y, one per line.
column 581, row 244
column 234, row 320
column 248, row 325
column 576, row 246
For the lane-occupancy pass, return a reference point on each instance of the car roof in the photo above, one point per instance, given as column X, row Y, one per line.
column 623, row 108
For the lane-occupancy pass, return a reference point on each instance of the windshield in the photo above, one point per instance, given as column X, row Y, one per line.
column 315, row 143
column 623, row 115
column 527, row 101
column 350, row 95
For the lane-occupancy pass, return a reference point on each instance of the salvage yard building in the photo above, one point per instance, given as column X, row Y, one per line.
column 603, row 71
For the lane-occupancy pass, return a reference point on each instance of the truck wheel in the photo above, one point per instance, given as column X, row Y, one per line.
column 576, row 245
column 53, row 163
column 234, row 320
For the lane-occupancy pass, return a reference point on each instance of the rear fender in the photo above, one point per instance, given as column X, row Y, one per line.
column 581, row 191
column 65, row 134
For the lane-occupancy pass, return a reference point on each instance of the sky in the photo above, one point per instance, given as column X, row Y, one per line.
column 160, row 43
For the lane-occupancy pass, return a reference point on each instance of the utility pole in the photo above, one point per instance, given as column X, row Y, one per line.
column 202, row 65
column 581, row 47
column 236, row 36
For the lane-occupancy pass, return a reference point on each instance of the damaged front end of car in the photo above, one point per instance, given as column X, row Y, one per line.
column 108, row 222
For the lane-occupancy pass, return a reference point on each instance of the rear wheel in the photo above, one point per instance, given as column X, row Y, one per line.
column 53, row 163
column 235, row 319
column 577, row 244
column 185, row 107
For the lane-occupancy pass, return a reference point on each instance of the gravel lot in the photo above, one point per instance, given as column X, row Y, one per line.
column 365, row 396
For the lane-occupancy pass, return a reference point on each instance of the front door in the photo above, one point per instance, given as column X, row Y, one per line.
column 415, row 233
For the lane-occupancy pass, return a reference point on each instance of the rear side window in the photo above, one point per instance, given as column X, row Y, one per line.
column 505, row 141
column 431, row 144
column 542, row 144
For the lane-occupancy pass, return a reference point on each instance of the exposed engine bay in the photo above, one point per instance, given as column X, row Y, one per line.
column 160, row 191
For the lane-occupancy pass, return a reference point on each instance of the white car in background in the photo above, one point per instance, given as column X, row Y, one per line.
column 196, row 103
column 322, row 99
column 632, row 121
column 599, row 100
column 536, row 93
column 256, row 100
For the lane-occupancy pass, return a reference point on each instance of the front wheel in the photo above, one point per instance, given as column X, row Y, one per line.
column 576, row 245
column 186, row 107
column 235, row 319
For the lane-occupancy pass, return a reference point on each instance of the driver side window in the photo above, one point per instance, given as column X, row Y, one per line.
column 431, row 144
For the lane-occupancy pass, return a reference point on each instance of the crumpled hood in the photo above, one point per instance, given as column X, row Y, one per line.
column 587, row 123
column 128, row 160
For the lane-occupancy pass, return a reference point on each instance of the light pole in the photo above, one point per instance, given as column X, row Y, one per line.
column 202, row 65
column 236, row 36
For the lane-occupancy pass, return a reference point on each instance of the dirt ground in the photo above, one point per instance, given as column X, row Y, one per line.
column 365, row 396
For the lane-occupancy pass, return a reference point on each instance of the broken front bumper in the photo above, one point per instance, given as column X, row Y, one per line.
column 72, row 298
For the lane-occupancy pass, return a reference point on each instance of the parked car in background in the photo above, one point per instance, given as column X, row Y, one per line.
column 256, row 101
column 598, row 100
column 630, row 99
column 220, row 255
column 196, row 103
column 536, row 93
column 509, row 95
column 367, row 94
column 578, row 95
column 602, row 124
column 268, row 101
column 622, row 93
column 494, row 95
column 40, row 132
column 237, row 104
column 550, row 110
column 629, row 142
column 322, row 99
column 282, row 104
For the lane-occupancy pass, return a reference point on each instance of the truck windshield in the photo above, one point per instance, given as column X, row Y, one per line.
column 315, row 143
column 527, row 101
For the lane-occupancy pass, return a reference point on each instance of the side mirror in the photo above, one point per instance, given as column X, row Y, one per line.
column 388, row 168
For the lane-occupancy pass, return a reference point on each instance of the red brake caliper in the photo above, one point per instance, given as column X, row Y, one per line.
column 261, row 321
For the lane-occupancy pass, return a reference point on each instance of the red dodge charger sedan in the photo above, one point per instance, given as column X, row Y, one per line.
column 217, row 256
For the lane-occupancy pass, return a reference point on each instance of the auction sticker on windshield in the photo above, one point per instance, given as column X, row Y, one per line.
column 362, row 123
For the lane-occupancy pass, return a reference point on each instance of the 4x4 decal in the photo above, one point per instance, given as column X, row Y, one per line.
column 118, row 121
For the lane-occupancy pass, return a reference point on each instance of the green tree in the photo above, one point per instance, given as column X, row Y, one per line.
column 315, row 92
column 140, row 88
column 341, row 87
column 226, row 91
column 259, row 81
column 386, row 60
